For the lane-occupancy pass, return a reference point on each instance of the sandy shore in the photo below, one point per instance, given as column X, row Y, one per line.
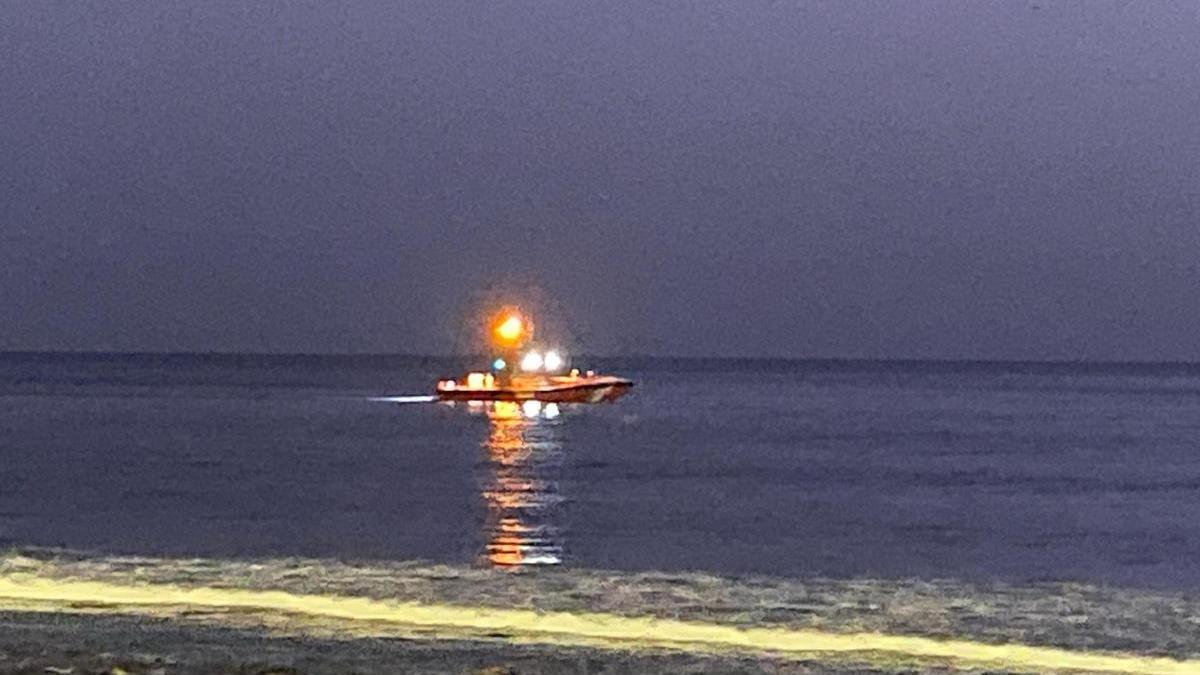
column 97, row 614
column 45, row 643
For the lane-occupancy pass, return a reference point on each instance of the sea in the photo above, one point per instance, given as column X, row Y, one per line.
column 990, row 472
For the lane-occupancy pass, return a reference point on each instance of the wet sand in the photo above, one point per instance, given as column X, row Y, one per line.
column 325, row 616
column 35, row 642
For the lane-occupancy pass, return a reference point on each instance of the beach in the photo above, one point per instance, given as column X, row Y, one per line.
column 325, row 616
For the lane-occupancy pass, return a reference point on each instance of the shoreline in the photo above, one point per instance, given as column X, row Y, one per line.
column 617, row 617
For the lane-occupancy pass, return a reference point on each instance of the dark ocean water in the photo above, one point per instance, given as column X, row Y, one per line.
column 970, row 471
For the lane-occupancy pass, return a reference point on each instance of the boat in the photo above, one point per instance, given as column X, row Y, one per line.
column 522, row 371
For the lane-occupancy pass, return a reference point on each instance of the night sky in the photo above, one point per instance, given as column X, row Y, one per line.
column 1003, row 180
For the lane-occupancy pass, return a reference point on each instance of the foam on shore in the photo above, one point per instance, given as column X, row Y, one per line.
column 165, row 589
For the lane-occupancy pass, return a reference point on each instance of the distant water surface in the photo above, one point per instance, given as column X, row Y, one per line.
column 1016, row 472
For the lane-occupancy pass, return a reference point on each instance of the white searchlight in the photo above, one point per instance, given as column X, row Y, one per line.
column 531, row 362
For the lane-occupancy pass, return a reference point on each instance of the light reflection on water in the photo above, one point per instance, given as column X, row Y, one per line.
column 523, row 458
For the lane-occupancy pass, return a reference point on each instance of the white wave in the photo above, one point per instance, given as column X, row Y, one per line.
column 403, row 399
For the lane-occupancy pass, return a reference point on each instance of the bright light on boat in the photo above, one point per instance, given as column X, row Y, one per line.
column 552, row 361
column 531, row 408
column 531, row 362
column 499, row 364
column 550, row 411
column 509, row 329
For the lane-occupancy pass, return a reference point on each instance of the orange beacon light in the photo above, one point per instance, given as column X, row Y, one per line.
column 509, row 328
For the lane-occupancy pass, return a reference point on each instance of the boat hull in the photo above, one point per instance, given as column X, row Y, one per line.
column 583, row 390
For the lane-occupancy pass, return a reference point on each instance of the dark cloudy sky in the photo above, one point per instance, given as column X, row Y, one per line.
column 850, row 179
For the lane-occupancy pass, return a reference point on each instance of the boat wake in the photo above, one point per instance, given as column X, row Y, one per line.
column 403, row 399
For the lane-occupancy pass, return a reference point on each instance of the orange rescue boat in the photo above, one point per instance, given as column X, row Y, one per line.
column 535, row 375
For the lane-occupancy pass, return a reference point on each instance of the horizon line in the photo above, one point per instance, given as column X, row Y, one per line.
column 774, row 358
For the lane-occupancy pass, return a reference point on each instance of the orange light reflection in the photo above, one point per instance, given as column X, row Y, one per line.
column 518, row 491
